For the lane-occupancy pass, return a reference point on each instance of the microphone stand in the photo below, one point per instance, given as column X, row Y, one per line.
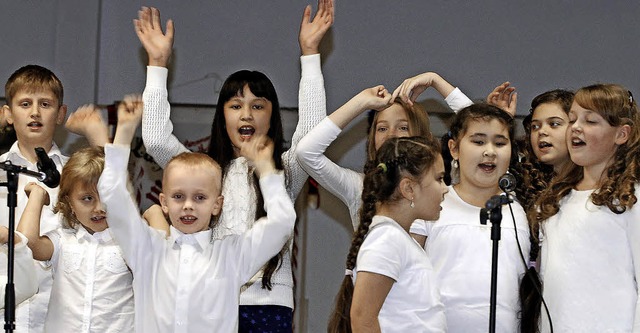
column 12, row 201
column 493, row 212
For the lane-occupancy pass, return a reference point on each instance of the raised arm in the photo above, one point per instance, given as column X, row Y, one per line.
column 411, row 88
column 157, row 128
column 29, row 225
column 343, row 183
column 268, row 235
column 312, row 106
column 87, row 121
column 504, row 97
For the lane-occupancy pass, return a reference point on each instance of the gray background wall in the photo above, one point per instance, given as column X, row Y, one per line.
column 537, row 45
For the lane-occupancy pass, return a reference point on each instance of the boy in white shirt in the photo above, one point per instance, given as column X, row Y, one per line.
column 189, row 282
column 34, row 107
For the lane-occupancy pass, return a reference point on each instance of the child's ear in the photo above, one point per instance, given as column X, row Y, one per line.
column 62, row 113
column 622, row 135
column 406, row 188
column 217, row 206
column 163, row 203
column 453, row 148
column 6, row 114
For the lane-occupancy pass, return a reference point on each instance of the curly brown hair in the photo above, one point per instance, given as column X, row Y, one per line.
column 616, row 190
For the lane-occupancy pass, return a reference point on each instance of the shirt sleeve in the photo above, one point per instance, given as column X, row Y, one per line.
column 157, row 129
column 457, row 100
column 269, row 234
column 343, row 183
column 127, row 227
column 26, row 278
column 312, row 109
column 381, row 253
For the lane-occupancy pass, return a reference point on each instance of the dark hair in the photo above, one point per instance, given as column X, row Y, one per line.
column 480, row 112
column 407, row 156
column 33, row 78
column 221, row 148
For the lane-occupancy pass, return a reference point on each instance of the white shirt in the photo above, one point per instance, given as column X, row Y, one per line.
column 30, row 314
column 345, row 184
column 92, row 286
column 460, row 249
column 413, row 303
column 25, row 278
column 190, row 283
column 590, row 264
column 163, row 145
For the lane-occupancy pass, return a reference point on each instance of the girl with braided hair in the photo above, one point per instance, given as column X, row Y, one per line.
column 589, row 220
column 394, row 282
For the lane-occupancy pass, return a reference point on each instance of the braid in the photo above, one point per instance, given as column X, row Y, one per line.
column 397, row 157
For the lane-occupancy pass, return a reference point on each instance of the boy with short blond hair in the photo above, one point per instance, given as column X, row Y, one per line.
column 189, row 281
column 34, row 107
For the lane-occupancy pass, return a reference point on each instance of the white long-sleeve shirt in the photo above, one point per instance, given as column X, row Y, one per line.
column 590, row 266
column 345, row 184
column 25, row 278
column 31, row 313
column 239, row 205
column 190, row 282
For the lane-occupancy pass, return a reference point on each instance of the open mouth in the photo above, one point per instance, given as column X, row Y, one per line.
column 575, row 142
column 34, row 124
column 99, row 219
column 543, row 144
column 188, row 219
column 487, row 167
column 246, row 132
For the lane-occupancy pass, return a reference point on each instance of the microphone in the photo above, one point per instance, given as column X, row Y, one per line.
column 48, row 168
column 507, row 182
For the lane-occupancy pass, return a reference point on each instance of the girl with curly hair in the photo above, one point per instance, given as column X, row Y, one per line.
column 590, row 230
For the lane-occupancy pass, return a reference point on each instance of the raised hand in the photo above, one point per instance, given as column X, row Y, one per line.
column 504, row 97
column 409, row 90
column 312, row 31
column 87, row 121
column 129, row 117
column 376, row 98
column 259, row 151
column 149, row 30
column 36, row 192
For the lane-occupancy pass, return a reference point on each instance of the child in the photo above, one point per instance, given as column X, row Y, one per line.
column 395, row 288
column 92, row 286
column 34, row 107
column 402, row 118
column 189, row 281
column 247, row 107
column 590, row 254
column 457, row 244
column 25, row 276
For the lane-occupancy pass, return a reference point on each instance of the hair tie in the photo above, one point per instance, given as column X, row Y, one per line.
column 348, row 272
column 383, row 167
column 630, row 97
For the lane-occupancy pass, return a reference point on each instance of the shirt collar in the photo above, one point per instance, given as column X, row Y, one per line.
column 54, row 153
column 101, row 237
column 199, row 240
